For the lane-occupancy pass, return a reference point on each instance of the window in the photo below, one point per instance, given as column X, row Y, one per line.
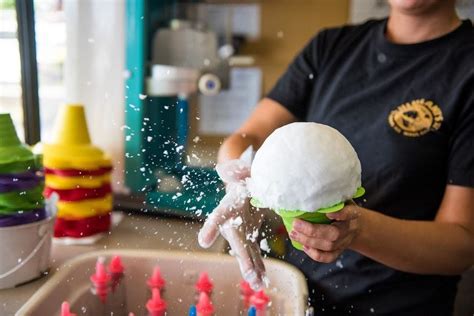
column 10, row 76
column 50, row 29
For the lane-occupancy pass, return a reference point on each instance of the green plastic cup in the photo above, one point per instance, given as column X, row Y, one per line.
column 316, row 217
column 27, row 200
column 11, row 149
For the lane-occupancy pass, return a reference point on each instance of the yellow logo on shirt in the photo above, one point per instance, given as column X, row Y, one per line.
column 416, row 118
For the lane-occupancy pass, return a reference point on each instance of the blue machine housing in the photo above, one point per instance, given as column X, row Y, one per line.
column 156, row 132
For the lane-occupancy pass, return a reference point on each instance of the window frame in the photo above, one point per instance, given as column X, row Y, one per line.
column 29, row 70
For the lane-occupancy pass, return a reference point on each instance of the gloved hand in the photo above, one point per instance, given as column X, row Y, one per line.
column 236, row 221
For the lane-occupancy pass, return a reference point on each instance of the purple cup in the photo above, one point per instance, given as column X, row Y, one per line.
column 20, row 181
column 23, row 217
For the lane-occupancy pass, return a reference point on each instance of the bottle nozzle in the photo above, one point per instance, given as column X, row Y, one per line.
column 204, row 306
column 260, row 300
column 156, row 280
column 65, row 309
column 100, row 279
column 204, row 283
column 156, row 306
column 245, row 288
column 115, row 265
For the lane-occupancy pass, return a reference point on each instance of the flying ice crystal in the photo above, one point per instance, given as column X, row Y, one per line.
column 184, row 179
column 196, row 139
column 142, row 96
column 236, row 222
column 253, row 236
column 149, row 139
column 264, row 245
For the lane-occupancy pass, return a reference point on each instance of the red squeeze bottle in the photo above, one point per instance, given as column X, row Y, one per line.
column 156, row 306
column 65, row 311
column 100, row 280
column 204, row 284
column 204, row 306
column 115, row 265
column 260, row 300
column 156, row 280
column 244, row 298
column 116, row 271
column 118, row 301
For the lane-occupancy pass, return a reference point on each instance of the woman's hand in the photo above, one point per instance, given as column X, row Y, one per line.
column 323, row 242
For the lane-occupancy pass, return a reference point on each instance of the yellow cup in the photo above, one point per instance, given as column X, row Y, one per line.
column 71, row 147
column 85, row 208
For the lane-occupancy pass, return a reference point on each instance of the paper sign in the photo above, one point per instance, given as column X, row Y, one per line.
column 222, row 114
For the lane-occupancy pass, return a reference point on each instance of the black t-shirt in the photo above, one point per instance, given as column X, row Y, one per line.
column 408, row 110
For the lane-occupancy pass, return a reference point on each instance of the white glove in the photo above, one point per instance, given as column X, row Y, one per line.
column 236, row 221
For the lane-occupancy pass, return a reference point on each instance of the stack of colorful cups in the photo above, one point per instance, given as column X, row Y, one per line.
column 80, row 174
column 21, row 181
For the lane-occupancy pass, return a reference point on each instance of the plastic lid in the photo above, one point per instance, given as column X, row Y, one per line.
column 204, row 284
column 156, row 281
column 260, row 300
column 245, row 288
column 65, row 310
column 115, row 265
column 100, row 279
column 71, row 147
column 156, row 305
column 204, row 306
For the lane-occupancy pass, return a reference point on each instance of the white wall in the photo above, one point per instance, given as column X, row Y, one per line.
column 94, row 71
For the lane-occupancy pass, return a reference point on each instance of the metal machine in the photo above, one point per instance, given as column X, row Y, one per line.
column 168, row 60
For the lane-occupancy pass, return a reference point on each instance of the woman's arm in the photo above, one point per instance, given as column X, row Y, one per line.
column 444, row 246
column 267, row 116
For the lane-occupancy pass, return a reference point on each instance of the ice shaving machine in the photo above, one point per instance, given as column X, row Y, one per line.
column 167, row 60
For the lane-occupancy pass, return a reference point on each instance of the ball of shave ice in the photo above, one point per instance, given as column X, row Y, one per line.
column 304, row 167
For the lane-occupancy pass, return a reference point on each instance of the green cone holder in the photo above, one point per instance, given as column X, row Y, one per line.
column 27, row 200
column 316, row 217
column 14, row 156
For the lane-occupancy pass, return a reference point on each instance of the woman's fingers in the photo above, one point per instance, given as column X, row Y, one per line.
column 259, row 267
column 326, row 232
column 318, row 231
column 322, row 256
column 349, row 212
column 333, row 237
column 241, row 250
column 230, row 206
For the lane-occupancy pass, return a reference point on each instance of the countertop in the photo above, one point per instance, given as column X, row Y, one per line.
column 133, row 232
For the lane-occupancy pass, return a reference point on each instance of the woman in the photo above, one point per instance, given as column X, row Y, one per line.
column 401, row 91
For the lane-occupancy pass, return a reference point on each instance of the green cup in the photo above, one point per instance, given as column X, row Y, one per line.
column 11, row 202
column 11, row 149
column 316, row 217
